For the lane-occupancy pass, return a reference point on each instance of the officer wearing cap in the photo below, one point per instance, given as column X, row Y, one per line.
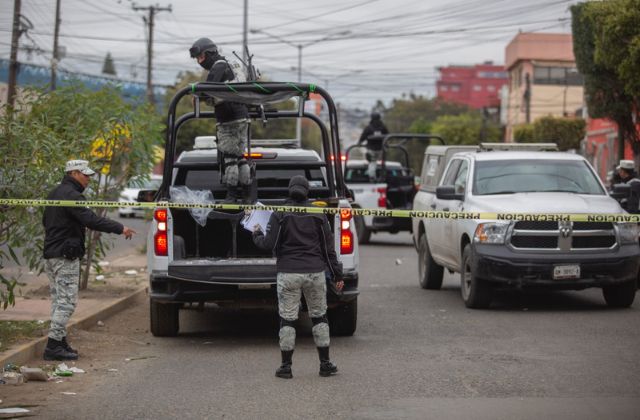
column 232, row 123
column 304, row 249
column 64, row 248
column 627, row 171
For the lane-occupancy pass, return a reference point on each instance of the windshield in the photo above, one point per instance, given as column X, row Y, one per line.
column 517, row 176
column 149, row 184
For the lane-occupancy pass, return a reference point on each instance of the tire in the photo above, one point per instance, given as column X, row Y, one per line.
column 164, row 318
column 429, row 272
column 620, row 295
column 364, row 234
column 343, row 319
column 476, row 293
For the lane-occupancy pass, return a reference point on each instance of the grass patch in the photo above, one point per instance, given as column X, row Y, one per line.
column 12, row 332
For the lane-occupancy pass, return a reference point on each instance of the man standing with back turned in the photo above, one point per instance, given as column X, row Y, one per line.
column 64, row 248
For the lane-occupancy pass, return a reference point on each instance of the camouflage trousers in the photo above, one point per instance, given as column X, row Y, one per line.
column 314, row 288
column 63, row 284
column 232, row 142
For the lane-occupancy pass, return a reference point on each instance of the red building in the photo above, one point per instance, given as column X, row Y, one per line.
column 601, row 146
column 477, row 86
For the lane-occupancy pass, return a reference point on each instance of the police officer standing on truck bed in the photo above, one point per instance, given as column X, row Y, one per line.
column 231, row 120
column 64, row 248
column 304, row 247
column 374, row 150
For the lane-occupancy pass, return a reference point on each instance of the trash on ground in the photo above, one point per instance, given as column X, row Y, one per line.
column 76, row 370
column 13, row 378
column 34, row 374
column 69, row 393
column 131, row 272
column 103, row 263
column 40, row 322
column 63, row 370
column 398, row 261
column 112, row 370
column 13, row 410
column 100, row 277
column 100, row 324
column 128, row 359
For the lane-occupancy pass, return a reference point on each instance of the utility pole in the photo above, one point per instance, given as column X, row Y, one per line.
column 244, row 31
column 527, row 98
column 56, row 57
column 149, row 21
column 13, row 60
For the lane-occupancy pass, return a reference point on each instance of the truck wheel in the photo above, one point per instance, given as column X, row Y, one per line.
column 620, row 295
column 476, row 293
column 364, row 234
column 429, row 272
column 164, row 318
column 343, row 319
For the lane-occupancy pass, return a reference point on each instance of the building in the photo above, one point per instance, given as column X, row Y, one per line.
column 543, row 79
column 477, row 86
column 601, row 146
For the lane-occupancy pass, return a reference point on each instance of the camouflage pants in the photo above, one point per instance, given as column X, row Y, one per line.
column 290, row 288
column 232, row 142
column 63, row 284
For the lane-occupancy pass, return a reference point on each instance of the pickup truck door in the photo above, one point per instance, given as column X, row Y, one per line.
column 451, row 227
column 436, row 227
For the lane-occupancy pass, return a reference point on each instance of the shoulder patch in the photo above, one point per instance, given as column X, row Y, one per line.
column 319, row 203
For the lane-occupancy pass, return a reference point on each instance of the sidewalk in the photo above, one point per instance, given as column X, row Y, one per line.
column 124, row 278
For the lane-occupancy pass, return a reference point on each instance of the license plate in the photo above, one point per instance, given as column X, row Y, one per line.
column 566, row 272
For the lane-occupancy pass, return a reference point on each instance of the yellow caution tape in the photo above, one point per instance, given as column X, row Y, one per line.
column 459, row 215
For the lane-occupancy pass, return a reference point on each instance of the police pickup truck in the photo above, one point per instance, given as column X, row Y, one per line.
column 214, row 259
column 522, row 252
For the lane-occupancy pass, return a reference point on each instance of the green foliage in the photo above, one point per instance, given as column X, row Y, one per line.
column 565, row 132
column 523, row 133
column 606, row 44
column 49, row 128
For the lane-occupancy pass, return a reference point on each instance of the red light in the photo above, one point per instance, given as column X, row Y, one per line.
column 345, row 214
column 343, row 158
column 161, row 244
column 382, row 197
column 346, row 242
column 160, row 215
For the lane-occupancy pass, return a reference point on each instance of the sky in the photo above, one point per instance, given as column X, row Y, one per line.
column 360, row 50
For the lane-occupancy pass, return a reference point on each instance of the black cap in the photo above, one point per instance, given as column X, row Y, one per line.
column 299, row 187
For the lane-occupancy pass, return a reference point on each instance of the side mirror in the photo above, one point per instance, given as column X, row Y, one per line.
column 146, row 196
column 448, row 192
column 620, row 191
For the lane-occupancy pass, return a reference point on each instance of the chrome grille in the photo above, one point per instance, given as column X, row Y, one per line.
column 562, row 236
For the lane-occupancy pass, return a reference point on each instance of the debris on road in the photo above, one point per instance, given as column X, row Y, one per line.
column 34, row 374
column 13, row 410
column 398, row 261
column 13, row 378
column 100, row 277
column 76, row 370
column 69, row 393
column 129, row 359
column 63, row 370
column 131, row 273
column 100, row 324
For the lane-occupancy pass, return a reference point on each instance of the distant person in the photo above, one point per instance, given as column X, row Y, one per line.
column 628, row 175
column 375, row 128
column 232, row 120
column 627, row 171
column 64, row 248
column 304, row 248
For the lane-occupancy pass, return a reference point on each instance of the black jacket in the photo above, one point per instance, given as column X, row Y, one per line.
column 67, row 224
column 375, row 127
column 225, row 111
column 302, row 243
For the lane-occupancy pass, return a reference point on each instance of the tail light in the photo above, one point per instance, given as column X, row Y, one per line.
column 346, row 236
column 160, row 240
column 382, row 197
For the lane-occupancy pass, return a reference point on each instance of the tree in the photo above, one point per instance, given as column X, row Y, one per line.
column 606, row 44
column 565, row 132
column 49, row 128
column 108, row 67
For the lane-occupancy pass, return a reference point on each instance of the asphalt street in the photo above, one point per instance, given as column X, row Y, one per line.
column 415, row 354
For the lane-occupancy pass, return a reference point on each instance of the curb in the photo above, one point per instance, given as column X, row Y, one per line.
column 35, row 348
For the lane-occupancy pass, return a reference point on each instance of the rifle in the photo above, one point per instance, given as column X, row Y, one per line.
column 252, row 76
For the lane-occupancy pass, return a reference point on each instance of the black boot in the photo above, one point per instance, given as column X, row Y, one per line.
column 56, row 350
column 232, row 195
column 326, row 367
column 284, row 371
column 67, row 347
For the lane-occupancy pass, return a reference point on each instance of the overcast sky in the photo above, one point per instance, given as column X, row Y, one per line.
column 362, row 50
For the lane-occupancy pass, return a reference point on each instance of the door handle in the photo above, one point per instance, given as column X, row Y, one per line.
column 433, row 205
column 445, row 209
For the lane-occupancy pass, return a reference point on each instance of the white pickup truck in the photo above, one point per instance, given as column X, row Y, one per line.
column 525, row 252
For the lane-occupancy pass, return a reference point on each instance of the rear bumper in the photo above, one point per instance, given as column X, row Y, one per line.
column 391, row 224
column 237, row 290
column 504, row 267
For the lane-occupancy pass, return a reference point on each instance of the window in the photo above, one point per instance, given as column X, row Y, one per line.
column 455, row 88
column 444, row 88
column 477, row 88
column 491, row 88
column 460, row 183
column 452, row 170
column 545, row 75
column 429, row 170
column 492, row 74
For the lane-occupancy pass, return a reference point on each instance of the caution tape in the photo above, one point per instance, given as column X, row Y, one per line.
column 320, row 208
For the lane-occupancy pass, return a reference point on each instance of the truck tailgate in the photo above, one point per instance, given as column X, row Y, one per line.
column 225, row 270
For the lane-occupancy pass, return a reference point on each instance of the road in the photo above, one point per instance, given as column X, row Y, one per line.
column 416, row 354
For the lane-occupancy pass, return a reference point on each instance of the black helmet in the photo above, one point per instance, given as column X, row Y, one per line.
column 202, row 45
column 298, row 188
column 375, row 115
